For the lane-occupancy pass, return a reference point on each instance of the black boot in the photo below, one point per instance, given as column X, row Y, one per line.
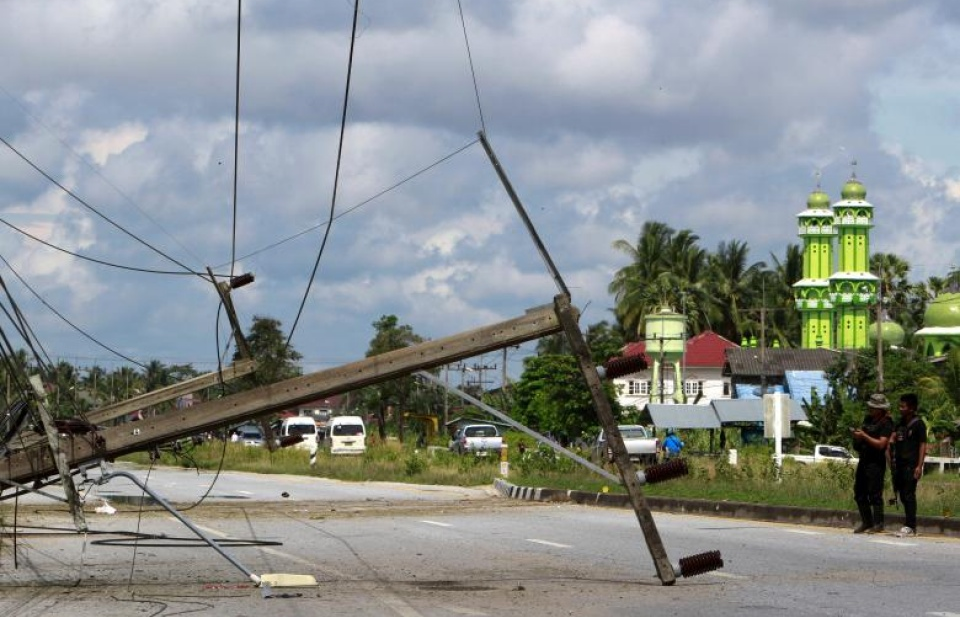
column 866, row 518
column 877, row 519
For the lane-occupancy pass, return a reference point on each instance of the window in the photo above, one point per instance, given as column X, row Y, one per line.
column 692, row 388
column 636, row 388
column 726, row 388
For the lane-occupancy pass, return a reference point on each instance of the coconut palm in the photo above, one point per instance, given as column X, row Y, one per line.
column 732, row 283
column 895, row 287
column 784, row 320
column 666, row 269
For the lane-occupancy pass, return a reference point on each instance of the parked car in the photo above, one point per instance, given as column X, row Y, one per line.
column 248, row 435
column 641, row 445
column 477, row 439
column 346, row 435
column 824, row 453
column 298, row 431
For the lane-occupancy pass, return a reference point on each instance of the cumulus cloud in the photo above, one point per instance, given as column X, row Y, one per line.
column 604, row 114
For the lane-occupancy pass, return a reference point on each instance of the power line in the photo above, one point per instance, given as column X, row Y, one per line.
column 95, row 170
column 79, row 200
column 473, row 73
column 64, row 319
column 360, row 204
column 92, row 259
column 336, row 175
column 236, row 144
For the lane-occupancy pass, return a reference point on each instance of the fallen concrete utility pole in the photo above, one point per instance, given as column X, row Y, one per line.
column 35, row 463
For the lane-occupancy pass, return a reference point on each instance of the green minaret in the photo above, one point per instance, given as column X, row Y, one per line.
column 811, row 293
column 853, row 289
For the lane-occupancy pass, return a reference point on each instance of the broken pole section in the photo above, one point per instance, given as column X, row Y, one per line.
column 34, row 463
column 628, row 473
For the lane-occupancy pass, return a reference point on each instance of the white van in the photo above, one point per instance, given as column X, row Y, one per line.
column 299, row 426
column 346, row 435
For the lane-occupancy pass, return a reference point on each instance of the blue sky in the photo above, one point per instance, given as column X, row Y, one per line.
column 708, row 115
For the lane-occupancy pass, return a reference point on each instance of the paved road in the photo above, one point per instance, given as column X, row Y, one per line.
column 183, row 486
column 454, row 557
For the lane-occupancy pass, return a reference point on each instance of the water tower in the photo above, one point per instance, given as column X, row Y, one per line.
column 665, row 337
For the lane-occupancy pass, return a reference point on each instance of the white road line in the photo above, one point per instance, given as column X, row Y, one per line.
column 728, row 575
column 943, row 614
column 803, row 532
column 893, row 543
column 437, row 523
column 389, row 599
column 462, row 611
column 547, row 543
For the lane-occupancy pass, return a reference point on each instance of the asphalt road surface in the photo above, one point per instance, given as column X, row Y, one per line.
column 434, row 551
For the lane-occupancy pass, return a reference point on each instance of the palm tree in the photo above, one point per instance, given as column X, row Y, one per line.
column 666, row 269
column 156, row 375
column 731, row 282
column 892, row 271
column 784, row 322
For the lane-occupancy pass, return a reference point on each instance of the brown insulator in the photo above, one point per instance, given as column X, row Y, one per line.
column 668, row 470
column 618, row 367
column 290, row 440
column 700, row 564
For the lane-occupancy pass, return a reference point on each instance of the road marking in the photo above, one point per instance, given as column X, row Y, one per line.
column 893, row 543
column 391, row 600
column 804, row 532
column 547, row 543
column 728, row 575
column 437, row 523
column 462, row 611
column 943, row 614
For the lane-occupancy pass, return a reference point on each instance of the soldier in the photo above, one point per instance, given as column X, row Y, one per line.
column 908, row 449
column 870, row 441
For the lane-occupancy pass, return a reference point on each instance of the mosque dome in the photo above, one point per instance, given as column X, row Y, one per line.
column 943, row 311
column 890, row 331
column 853, row 190
column 818, row 200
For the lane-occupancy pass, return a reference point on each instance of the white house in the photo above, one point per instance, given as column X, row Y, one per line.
column 701, row 372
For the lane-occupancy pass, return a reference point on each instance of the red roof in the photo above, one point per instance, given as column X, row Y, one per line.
column 705, row 350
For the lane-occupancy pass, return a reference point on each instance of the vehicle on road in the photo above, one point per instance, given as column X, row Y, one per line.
column 641, row 445
column 299, row 432
column 476, row 439
column 248, row 435
column 346, row 435
column 824, row 453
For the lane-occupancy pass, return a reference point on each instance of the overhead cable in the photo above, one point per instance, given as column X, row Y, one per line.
column 336, row 175
column 86, row 205
column 67, row 321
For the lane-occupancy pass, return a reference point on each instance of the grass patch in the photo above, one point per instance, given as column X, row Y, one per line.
column 753, row 480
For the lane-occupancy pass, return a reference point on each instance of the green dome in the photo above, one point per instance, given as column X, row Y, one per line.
column 891, row 332
column 853, row 190
column 818, row 200
column 943, row 312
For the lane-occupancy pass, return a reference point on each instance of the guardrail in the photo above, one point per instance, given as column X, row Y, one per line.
column 943, row 462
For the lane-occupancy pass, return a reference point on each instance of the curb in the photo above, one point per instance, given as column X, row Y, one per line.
column 822, row 517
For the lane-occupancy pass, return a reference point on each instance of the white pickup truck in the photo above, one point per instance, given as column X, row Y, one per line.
column 477, row 439
column 824, row 453
column 641, row 445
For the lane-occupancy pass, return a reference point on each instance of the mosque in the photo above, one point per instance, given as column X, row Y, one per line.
column 837, row 290
column 837, row 295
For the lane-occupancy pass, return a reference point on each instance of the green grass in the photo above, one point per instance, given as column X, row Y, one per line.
column 754, row 480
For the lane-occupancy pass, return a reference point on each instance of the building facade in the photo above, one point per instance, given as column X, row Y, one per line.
column 701, row 379
column 837, row 290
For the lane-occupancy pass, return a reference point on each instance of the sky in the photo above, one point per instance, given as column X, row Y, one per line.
column 717, row 116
